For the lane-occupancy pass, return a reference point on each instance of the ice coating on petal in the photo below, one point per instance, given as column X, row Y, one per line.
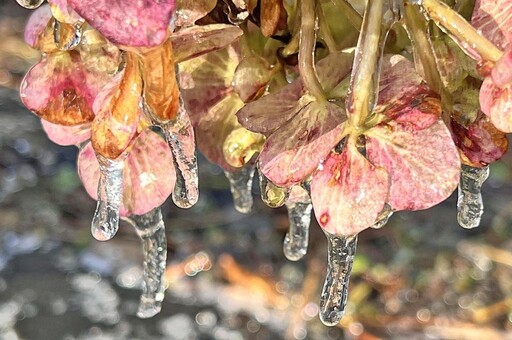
column 470, row 206
column 272, row 195
column 36, row 24
column 151, row 229
column 480, row 143
column 57, row 89
column 105, row 221
column 63, row 12
column 296, row 149
column 195, row 41
column 340, row 257
column 30, row 4
column 140, row 23
column 420, row 157
column 299, row 207
column 241, row 188
column 493, row 18
column 180, row 137
column 147, row 183
column 67, row 36
column 348, row 192
column 188, row 12
column 67, row 135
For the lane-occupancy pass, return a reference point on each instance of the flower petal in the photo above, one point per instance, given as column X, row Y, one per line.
column 140, row 23
column 296, row 149
column 493, row 18
column 36, row 24
column 420, row 157
column 67, row 135
column 188, row 12
column 147, row 183
column 251, row 77
column 348, row 193
column 63, row 12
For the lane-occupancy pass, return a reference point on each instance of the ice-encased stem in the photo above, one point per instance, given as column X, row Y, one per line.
column 151, row 229
column 333, row 300
column 470, row 206
column 110, row 191
column 295, row 244
column 180, row 137
column 272, row 195
column 241, row 187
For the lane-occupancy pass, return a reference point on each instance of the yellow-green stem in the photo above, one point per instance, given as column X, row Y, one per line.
column 458, row 27
column 363, row 84
column 307, row 49
column 325, row 30
column 350, row 13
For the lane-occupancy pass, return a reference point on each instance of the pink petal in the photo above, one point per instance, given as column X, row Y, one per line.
column 486, row 96
column 423, row 163
column 296, row 149
column 493, row 18
column 348, row 193
column 499, row 105
column 67, row 135
column 141, row 23
column 195, row 41
column 502, row 71
column 206, row 80
column 63, row 12
column 147, row 183
column 333, row 69
column 251, row 77
column 36, row 24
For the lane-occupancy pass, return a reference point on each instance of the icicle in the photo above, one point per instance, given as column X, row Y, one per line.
column 67, row 36
column 469, row 205
column 241, row 187
column 295, row 244
column 110, row 191
column 151, row 229
column 180, row 137
column 30, row 4
column 383, row 217
column 271, row 194
column 341, row 253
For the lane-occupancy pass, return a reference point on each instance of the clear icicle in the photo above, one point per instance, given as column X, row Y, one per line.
column 333, row 300
column 470, row 206
column 383, row 217
column 271, row 194
column 241, row 187
column 30, row 4
column 180, row 136
column 151, row 229
column 110, row 191
column 295, row 244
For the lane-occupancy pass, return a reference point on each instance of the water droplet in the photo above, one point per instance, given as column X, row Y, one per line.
column 470, row 205
column 67, row 36
column 110, row 191
column 271, row 194
column 30, row 4
column 383, row 217
column 180, row 136
column 333, row 300
column 295, row 244
column 151, row 229
column 241, row 187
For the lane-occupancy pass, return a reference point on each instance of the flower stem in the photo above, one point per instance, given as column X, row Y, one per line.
column 469, row 38
column 307, row 49
column 350, row 13
column 364, row 80
column 325, row 30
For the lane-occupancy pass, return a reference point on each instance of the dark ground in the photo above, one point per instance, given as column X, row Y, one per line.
column 420, row 277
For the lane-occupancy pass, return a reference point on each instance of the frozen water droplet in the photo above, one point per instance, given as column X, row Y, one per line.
column 151, row 229
column 241, row 187
column 295, row 244
column 30, row 4
column 383, row 217
column 333, row 300
column 110, row 191
column 180, row 136
column 470, row 205
column 67, row 36
column 271, row 194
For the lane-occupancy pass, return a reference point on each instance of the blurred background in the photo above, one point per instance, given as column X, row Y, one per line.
column 422, row 276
